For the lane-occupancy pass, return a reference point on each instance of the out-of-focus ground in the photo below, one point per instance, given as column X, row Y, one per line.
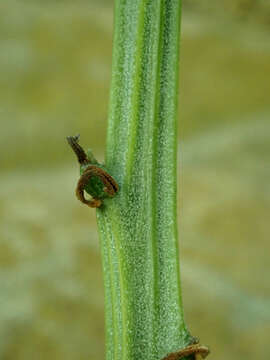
column 55, row 59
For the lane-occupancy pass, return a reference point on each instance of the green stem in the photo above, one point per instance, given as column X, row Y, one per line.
column 138, row 227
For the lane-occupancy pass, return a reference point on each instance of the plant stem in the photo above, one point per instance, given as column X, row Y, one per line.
column 138, row 227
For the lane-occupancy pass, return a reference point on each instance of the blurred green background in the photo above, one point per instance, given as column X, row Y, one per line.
column 55, row 63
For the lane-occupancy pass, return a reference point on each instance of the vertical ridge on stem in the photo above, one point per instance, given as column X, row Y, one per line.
column 173, row 330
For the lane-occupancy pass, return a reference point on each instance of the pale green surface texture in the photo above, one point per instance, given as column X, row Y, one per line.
column 138, row 227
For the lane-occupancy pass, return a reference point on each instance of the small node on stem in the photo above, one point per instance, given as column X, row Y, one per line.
column 94, row 178
column 199, row 352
